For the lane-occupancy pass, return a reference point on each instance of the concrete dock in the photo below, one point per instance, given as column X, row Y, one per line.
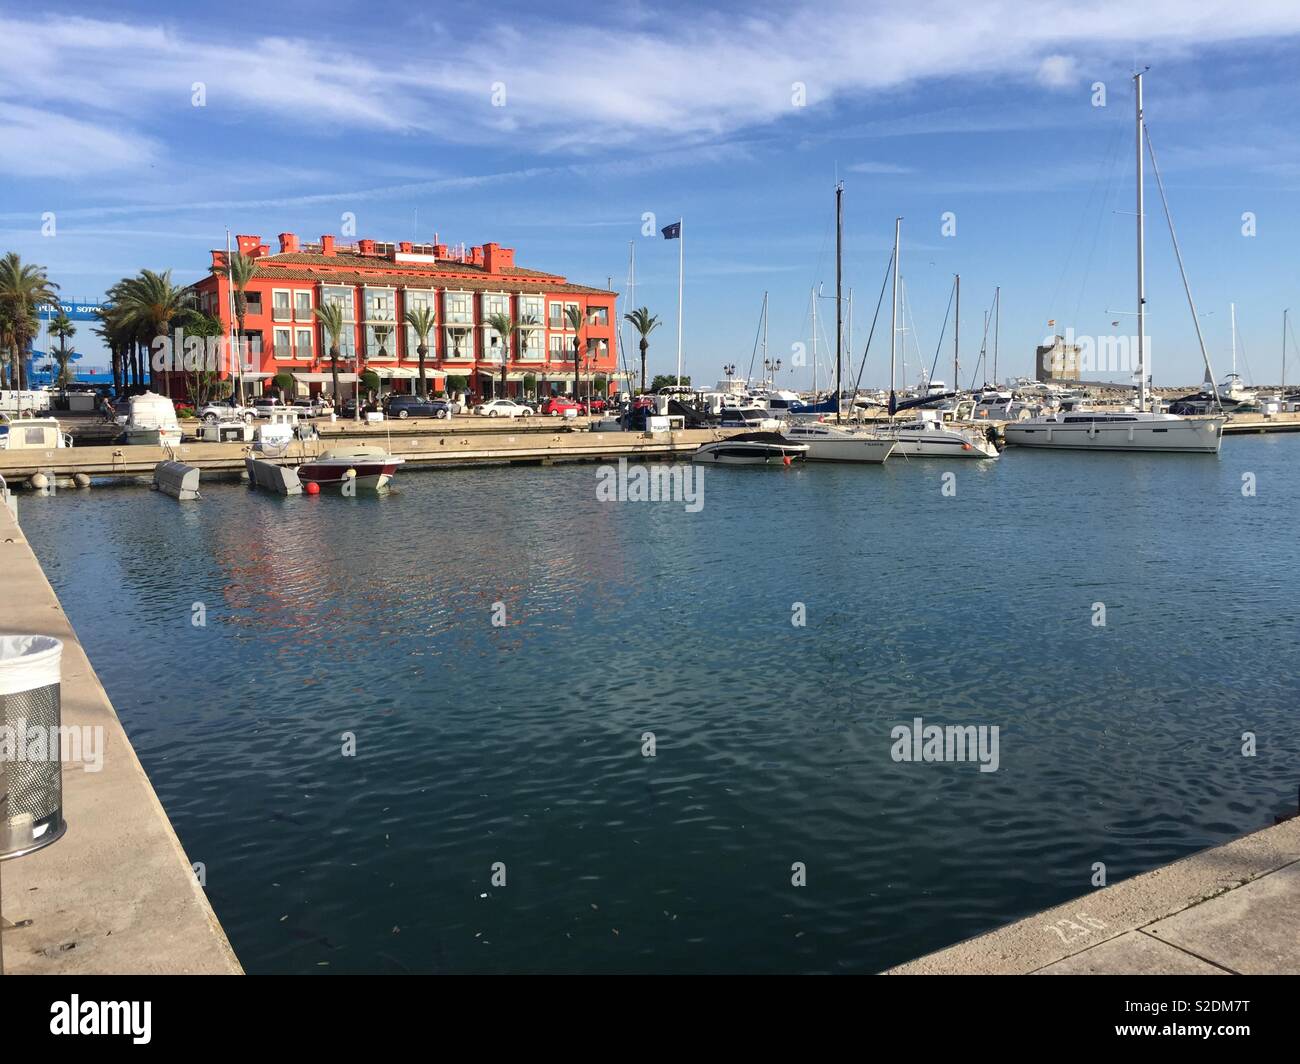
column 448, row 447
column 1230, row 910
column 117, row 894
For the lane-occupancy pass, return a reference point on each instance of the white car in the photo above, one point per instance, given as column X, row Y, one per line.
column 503, row 408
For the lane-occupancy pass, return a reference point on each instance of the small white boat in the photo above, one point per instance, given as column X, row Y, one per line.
column 839, row 443
column 757, row 418
column 32, row 434
column 367, row 468
column 152, row 421
column 752, row 448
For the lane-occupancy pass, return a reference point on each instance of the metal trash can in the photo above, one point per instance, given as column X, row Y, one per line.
column 30, row 718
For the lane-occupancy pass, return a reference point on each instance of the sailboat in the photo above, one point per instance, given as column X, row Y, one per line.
column 1143, row 429
column 835, row 441
column 926, row 436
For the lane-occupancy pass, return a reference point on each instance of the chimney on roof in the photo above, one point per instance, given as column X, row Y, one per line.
column 365, row 247
column 247, row 245
column 404, row 247
column 439, row 251
column 288, row 244
column 476, row 255
column 496, row 258
column 327, row 244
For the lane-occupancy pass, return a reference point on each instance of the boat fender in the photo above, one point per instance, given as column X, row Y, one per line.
column 965, row 446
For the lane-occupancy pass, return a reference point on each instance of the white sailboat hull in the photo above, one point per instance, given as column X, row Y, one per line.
column 1169, row 434
column 941, row 443
column 834, row 444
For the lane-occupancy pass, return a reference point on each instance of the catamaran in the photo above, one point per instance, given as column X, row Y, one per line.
column 1130, row 430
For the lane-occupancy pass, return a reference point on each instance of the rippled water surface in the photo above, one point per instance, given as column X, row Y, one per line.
column 522, row 743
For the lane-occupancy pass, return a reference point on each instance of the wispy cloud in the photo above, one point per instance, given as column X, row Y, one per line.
column 689, row 81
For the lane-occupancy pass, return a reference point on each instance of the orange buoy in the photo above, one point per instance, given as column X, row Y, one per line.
column 786, row 459
column 311, row 488
column 965, row 446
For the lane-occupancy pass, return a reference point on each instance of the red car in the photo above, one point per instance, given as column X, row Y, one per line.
column 558, row 406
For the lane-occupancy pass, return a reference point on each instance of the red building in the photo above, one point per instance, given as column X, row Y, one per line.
column 375, row 284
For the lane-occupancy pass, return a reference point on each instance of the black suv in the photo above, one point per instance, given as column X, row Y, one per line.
column 404, row 406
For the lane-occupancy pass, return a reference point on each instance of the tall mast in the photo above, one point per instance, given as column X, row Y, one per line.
column 1141, row 258
column 893, row 312
column 997, row 325
column 956, row 342
column 631, row 303
column 839, row 302
column 765, row 330
column 1284, row 314
column 812, row 298
column 1233, row 307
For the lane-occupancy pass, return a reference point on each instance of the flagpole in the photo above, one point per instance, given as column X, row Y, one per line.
column 230, row 311
column 681, row 264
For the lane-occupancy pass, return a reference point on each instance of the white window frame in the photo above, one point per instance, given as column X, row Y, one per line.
column 276, row 330
column 276, row 293
column 297, row 315
column 311, row 342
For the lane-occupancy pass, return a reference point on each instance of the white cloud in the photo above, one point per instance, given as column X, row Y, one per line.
column 879, row 168
column 42, row 143
column 583, row 87
column 1057, row 72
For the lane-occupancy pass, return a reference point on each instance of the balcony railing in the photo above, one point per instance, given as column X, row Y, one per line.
column 281, row 314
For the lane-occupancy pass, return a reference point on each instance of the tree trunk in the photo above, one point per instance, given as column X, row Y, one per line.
column 645, row 346
column 577, row 365
column 334, row 372
column 423, row 350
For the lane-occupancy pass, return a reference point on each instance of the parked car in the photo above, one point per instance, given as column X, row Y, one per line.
column 311, row 407
column 559, row 405
column 229, row 411
column 264, row 404
column 349, row 408
column 596, row 404
column 404, row 406
column 503, row 408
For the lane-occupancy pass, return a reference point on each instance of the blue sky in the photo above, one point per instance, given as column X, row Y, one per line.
column 983, row 110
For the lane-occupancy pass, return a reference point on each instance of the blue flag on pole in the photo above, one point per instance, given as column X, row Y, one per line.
column 673, row 232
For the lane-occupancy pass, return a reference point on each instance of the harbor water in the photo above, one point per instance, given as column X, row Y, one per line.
column 362, row 714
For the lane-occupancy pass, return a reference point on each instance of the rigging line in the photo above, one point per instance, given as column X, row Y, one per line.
column 879, row 303
column 984, row 346
column 753, row 354
column 1191, row 303
column 935, row 364
column 1102, row 176
column 1112, row 171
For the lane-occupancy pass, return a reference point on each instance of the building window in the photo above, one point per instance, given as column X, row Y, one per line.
column 380, row 304
column 303, row 344
column 557, row 315
column 459, row 343
column 280, row 305
column 598, row 315
column 302, row 305
column 597, row 349
column 341, row 296
column 532, row 307
column 381, row 347
column 531, row 341
column 460, row 307
column 252, row 302
column 283, row 348
column 420, row 298
column 495, row 303
column 561, row 348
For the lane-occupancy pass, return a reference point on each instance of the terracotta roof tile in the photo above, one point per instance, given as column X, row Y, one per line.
column 525, row 285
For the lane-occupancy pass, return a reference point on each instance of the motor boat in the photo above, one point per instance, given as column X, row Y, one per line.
column 152, row 420
column 32, row 434
column 757, row 418
column 752, row 448
column 1098, row 430
column 1233, row 393
column 839, row 443
column 927, row 437
column 367, row 468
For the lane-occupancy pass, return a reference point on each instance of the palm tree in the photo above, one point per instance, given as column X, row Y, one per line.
column 150, row 305
column 24, row 289
column 505, row 328
column 575, row 320
column 240, row 271
column 330, row 317
column 61, row 327
column 644, row 323
column 421, row 319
